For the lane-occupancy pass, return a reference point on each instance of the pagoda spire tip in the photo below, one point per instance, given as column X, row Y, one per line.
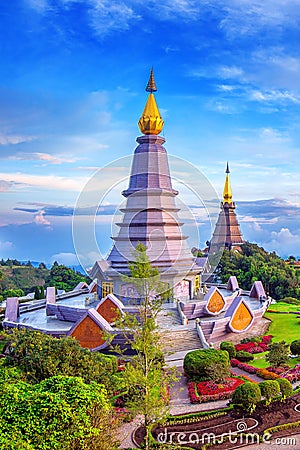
column 151, row 85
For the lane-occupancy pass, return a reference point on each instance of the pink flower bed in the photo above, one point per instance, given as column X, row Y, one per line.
column 206, row 391
column 255, row 347
column 292, row 375
column 243, row 366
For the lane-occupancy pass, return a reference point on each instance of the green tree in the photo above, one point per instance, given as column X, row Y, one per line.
column 146, row 376
column 229, row 347
column 63, row 277
column 270, row 389
column 278, row 353
column 286, row 387
column 295, row 347
column 247, row 395
column 59, row 413
column 12, row 293
column 254, row 263
column 39, row 292
column 40, row 356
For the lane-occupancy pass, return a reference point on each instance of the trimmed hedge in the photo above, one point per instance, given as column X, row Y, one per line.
column 243, row 356
column 199, row 362
column 229, row 347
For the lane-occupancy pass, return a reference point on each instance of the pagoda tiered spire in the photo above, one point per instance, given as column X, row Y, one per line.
column 227, row 231
column 150, row 215
column 151, row 121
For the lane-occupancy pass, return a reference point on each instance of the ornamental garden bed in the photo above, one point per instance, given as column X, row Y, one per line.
column 269, row 373
column 276, row 416
column 207, row 391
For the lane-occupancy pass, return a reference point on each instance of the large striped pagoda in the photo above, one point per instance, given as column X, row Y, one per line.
column 150, row 216
column 227, row 233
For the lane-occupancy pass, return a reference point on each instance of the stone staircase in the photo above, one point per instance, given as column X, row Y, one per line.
column 180, row 340
column 176, row 339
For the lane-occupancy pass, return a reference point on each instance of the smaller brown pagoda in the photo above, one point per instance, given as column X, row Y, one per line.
column 227, row 233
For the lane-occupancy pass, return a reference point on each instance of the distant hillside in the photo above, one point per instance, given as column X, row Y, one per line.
column 17, row 275
column 280, row 278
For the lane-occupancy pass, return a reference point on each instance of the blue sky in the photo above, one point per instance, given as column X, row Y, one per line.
column 72, row 81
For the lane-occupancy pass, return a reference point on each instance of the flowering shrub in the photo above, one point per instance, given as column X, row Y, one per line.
column 266, row 375
column 279, row 370
column 206, row 391
column 266, row 339
column 243, row 366
column 255, row 347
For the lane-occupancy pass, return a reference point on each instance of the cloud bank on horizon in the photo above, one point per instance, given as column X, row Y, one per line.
column 73, row 74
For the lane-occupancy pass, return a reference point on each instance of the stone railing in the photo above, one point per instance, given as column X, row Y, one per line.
column 201, row 336
column 183, row 318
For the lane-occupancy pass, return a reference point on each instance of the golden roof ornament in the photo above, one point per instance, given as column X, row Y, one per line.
column 227, row 192
column 151, row 121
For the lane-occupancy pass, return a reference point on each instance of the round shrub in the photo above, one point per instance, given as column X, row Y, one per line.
column 295, row 347
column 247, row 395
column 243, row 356
column 269, row 389
column 199, row 363
column 286, row 387
column 229, row 347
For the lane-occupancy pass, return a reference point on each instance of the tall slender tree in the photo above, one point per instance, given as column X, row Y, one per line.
column 146, row 376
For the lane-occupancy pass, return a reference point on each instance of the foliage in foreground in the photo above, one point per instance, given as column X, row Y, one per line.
column 40, row 356
column 59, row 413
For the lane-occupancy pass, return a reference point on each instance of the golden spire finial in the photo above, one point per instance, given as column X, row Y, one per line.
column 227, row 192
column 151, row 121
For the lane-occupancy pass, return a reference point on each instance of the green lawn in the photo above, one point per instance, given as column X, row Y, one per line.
column 281, row 306
column 284, row 327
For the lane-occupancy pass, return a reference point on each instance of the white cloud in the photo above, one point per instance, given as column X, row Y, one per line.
column 257, row 220
column 273, row 136
column 68, row 259
column 52, row 182
column 7, row 139
column 274, row 96
column 5, row 245
column 46, row 157
column 284, row 242
column 231, row 72
column 5, row 185
column 40, row 219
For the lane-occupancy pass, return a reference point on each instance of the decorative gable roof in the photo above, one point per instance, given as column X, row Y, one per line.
column 241, row 316
column 110, row 307
column 90, row 330
column 232, row 284
column 257, row 290
column 215, row 302
column 93, row 286
column 81, row 285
